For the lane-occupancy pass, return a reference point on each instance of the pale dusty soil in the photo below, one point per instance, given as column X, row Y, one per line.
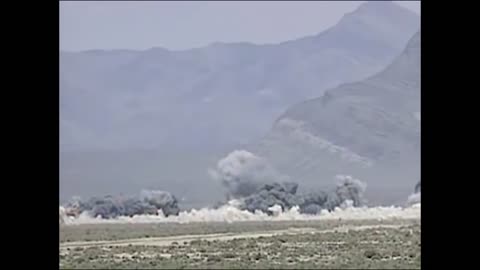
column 165, row 241
column 374, row 244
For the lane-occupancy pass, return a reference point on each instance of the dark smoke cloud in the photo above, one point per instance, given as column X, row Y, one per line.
column 270, row 195
column 161, row 200
column 247, row 177
column 149, row 202
column 348, row 190
column 259, row 186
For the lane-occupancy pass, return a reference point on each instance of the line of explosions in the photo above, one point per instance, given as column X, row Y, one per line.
column 249, row 180
column 348, row 192
column 148, row 202
column 258, row 186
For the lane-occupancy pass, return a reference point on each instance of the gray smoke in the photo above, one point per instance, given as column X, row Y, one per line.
column 244, row 173
column 269, row 195
column 161, row 200
column 149, row 202
column 417, row 187
column 259, row 186
column 347, row 191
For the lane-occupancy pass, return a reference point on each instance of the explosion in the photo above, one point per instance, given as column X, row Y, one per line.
column 349, row 191
column 149, row 202
column 243, row 173
column 415, row 198
column 258, row 186
column 253, row 187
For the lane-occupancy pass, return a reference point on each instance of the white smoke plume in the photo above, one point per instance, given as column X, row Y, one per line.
column 242, row 173
column 260, row 194
column 231, row 213
column 415, row 198
column 326, row 208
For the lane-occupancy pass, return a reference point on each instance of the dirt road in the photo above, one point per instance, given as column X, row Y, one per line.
column 168, row 240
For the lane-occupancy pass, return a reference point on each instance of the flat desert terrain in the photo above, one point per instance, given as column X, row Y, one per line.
column 315, row 244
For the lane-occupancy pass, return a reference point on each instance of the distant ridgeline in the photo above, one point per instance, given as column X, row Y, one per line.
column 369, row 129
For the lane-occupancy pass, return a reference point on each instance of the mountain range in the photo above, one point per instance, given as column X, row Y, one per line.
column 159, row 118
column 222, row 94
column 369, row 129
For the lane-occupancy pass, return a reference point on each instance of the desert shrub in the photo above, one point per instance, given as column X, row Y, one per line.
column 213, row 258
column 372, row 254
column 229, row 255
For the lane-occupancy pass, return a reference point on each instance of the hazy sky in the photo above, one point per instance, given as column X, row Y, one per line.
column 180, row 25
